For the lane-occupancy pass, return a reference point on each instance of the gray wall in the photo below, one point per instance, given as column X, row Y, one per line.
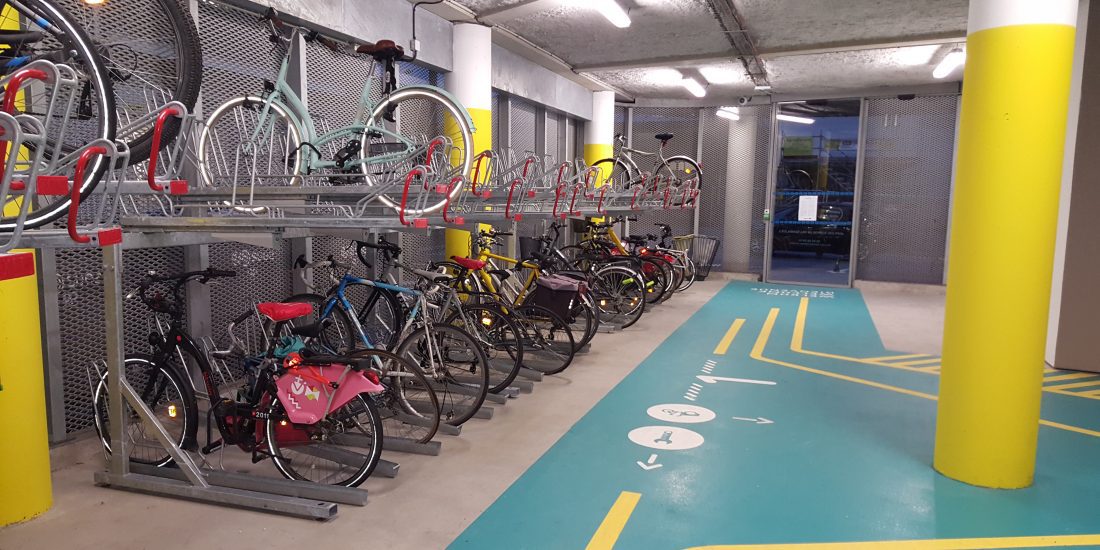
column 518, row 76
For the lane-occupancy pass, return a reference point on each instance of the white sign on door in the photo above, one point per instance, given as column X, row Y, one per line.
column 807, row 208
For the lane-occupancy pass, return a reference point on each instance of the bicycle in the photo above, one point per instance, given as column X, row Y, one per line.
column 311, row 416
column 453, row 363
column 624, row 172
column 272, row 135
column 603, row 244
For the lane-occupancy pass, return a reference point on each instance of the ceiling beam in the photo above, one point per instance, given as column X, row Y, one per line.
column 738, row 35
column 663, row 61
column 515, row 11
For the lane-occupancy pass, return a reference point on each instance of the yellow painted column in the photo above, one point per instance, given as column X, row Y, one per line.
column 599, row 133
column 471, row 81
column 25, row 488
column 1008, row 173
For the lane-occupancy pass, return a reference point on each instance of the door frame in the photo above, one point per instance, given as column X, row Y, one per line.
column 773, row 177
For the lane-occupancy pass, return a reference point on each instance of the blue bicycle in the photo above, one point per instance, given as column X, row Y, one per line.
column 454, row 366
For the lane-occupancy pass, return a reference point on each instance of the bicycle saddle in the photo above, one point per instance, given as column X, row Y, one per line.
column 382, row 50
column 663, row 137
column 433, row 276
column 468, row 263
column 280, row 311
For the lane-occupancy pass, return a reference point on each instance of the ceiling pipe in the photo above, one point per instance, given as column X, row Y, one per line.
column 737, row 33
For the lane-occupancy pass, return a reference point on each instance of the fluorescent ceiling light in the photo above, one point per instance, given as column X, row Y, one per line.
column 914, row 56
column 664, row 76
column 720, row 75
column 953, row 60
column 732, row 113
column 762, row 87
column 795, row 119
column 613, row 12
column 694, row 87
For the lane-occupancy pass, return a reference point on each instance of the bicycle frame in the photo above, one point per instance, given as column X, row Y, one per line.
column 486, row 255
column 339, row 298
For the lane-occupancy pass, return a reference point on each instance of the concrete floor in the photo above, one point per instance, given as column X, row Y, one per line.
column 907, row 317
column 432, row 500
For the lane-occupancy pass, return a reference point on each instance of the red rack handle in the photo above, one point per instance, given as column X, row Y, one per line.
column 457, row 180
column 599, row 207
column 634, row 199
column 527, row 164
column 561, row 171
column 508, row 205
column 477, row 170
column 158, row 130
column 573, row 201
column 431, row 149
column 588, row 182
column 668, row 196
column 74, row 196
column 405, row 195
column 10, row 95
column 557, row 198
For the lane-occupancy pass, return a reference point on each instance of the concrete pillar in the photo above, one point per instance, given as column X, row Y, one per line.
column 736, row 247
column 1009, row 164
column 471, row 82
column 599, row 133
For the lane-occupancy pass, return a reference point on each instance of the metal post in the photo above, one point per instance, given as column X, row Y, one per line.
column 50, row 314
column 113, row 319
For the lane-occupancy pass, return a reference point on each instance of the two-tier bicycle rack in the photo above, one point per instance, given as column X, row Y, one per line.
column 152, row 204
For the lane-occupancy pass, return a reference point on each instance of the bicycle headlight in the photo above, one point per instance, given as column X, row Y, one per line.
column 172, row 411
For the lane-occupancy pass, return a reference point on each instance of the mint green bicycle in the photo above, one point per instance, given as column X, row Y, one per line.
column 270, row 138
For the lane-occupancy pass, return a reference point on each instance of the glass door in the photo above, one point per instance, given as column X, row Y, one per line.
column 814, row 195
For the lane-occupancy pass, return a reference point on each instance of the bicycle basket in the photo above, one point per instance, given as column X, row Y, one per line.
column 703, row 250
column 556, row 293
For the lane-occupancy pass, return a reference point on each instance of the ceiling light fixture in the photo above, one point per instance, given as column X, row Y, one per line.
column 953, row 60
column 613, row 12
column 720, row 75
column 762, row 87
column 795, row 119
column 732, row 113
column 694, row 87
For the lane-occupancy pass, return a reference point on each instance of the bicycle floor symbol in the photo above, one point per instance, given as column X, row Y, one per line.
column 672, row 438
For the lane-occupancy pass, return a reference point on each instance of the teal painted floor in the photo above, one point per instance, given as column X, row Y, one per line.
column 840, row 460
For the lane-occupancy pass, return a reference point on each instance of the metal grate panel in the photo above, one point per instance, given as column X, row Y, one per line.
column 237, row 54
column 522, row 122
column 263, row 274
column 555, row 146
column 906, row 189
column 683, row 122
column 418, row 118
column 80, row 300
column 334, row 83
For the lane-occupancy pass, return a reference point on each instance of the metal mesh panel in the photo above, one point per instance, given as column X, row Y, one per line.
column 334, row 82
column 731, row 203
column 419, row 118
column 495, row 113
column 554, row 146
column 570, row 140
column 263, row 274
column 620, row 121
column 906, row 189
column 417, row 250
column 684, row 123
column 237, row 54
column 522, row 122
column 80, row 301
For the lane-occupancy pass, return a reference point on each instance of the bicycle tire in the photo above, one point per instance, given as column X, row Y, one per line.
column 81, row 54
column 690, row 169
column 166, row 45
column 409, row 406
column 548, row 346
column 497, row 332
column 617, row 168
column 619, row 293
column 689, row 274
column 459, row 398
column 336, row 334
column 656, row 280
column 277, row 425
column 456, row 113
column 243, row 112
column 134, row 364
column 380, row 315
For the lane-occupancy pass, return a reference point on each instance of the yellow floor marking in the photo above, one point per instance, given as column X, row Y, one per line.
column 1075, row 385
column 887, row 357
column 922, row 362
column 800, row 328
column 765, row 335
column 933, row 368
column 724, row 345
column 614, row 521
column 1076, row 376
column 1091, row 392
column 928, row 544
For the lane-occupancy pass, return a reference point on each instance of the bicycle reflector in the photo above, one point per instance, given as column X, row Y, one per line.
column 486, row 320
column 293, row 359
column 373, row 377
column 172, row 411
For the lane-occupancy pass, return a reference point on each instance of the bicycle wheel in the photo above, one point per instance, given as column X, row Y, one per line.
column 500, row 338
column 59, row 38
column 548, row 343
column 455, row 365
column 689, row 273
column 409, row 406
column 380, row 314
column 419, row 114
column 333, row 333
column 615, row 171
column 164, row 391
column 619, row 293
column 343, row 448
column 585, row 319
column 246, row 141
column 682, row 170
column 151, row 51
column 656, row 279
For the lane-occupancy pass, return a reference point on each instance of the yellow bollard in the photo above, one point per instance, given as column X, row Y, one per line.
column 1011, row 141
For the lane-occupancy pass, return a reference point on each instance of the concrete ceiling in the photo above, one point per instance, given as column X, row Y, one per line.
column 821, row 47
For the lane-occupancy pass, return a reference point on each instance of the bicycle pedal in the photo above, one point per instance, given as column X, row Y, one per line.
column 214, row 446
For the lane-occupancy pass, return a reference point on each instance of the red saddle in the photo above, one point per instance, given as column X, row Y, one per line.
column 468, row 263
column 280, row 311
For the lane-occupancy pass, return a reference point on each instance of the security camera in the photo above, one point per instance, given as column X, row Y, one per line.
column 744, row 100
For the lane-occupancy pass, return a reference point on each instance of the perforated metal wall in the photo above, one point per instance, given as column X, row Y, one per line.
column 263, row 274
column 555, row 141
column 620, row 120
column 906, row 189
column 726, row 197
column 80, row 300
column 334, row 84
column 499, row 135
column 522, row 124
column 237, row 53
column 684, row 124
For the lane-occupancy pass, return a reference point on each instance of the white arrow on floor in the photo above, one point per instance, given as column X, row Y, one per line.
column 649, row 464
column 757, row 420
column 716, row 379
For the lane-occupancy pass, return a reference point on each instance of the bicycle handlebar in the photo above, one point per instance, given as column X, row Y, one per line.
column 158, row 303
